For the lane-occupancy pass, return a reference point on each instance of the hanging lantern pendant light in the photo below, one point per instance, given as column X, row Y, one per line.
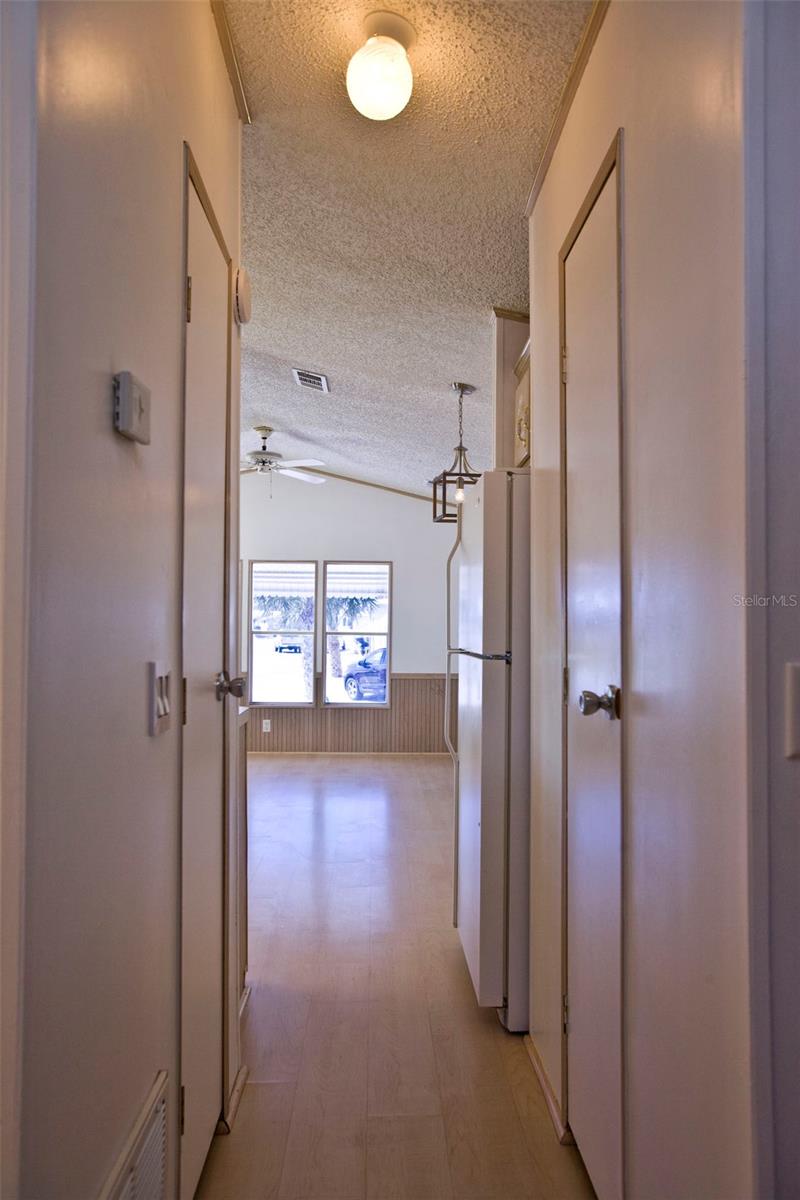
column 459, row 475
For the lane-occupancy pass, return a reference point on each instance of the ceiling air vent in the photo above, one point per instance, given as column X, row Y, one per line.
column 311, row 379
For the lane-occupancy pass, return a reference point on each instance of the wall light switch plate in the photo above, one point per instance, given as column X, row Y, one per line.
column 266, row 726
column 159, row 699
column 131, row 408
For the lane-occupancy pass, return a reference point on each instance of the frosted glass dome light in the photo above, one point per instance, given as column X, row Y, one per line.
column 379, row 79
column 379, row 76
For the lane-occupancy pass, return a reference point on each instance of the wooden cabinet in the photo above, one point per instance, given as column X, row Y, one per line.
column 511, row 389
column 522, row 407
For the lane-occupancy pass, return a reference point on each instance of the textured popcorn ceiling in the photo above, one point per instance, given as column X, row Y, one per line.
column 378, row 249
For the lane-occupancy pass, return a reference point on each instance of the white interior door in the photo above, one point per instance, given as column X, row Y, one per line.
column 203, row 735
column 593, row 644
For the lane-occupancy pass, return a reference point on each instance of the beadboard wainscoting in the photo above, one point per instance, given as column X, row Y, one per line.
column 413, row 723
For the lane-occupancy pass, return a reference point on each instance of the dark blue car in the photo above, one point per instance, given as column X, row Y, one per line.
column 367, row 679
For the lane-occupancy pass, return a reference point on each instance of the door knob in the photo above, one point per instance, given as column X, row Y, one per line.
column 225, row 686
column 589, row 703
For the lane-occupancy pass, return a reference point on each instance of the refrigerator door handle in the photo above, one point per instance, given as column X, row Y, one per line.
column 506, row 657
column 454, row 755
column 447, row 707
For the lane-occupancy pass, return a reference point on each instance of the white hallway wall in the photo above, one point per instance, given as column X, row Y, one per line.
column 345, row 521
column 671, row 76
column 120, row 88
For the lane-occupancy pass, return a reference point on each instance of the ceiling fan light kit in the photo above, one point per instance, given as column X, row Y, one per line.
column 271, row 462
column 459, row 474
column 379, row 76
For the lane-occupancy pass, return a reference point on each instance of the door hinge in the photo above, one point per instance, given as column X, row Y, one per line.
column 565, row 1012
column 188, row 298
column 563, row 364
column 184, row 706
column 565, row 685
column 183, row 1109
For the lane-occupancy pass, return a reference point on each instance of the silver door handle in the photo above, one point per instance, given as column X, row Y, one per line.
column 225, row 686
column 589, row 703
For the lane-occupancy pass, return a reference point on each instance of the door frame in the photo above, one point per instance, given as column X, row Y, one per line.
column 613, row 160
column 232, row 1070
column 18, row 114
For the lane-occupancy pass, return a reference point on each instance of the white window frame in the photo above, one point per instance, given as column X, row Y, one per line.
column 312, row 633
column 356, row 562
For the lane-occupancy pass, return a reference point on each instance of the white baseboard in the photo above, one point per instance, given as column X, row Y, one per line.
column 225, row 1124
column 563, row 1132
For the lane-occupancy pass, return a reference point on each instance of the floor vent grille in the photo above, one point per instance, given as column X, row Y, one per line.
column 311, row 379
column 141, row 1169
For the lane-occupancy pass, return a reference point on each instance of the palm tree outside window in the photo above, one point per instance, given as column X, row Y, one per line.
column 283, row 598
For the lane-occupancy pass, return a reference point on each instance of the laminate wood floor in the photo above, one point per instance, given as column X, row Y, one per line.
column 373, row 1073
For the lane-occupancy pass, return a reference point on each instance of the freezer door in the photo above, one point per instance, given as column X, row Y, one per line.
column 483, row 565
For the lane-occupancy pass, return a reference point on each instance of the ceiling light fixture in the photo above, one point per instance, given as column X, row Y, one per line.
column 270, row 462
column 457, row 476
column 379, row 76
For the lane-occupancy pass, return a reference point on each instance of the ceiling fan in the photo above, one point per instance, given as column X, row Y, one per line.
column 268, row 462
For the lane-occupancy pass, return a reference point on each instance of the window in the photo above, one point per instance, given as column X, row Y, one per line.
column 283, row 601
column 357, row 632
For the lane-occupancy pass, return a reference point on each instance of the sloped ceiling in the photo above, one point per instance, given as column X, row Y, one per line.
column 378, row 249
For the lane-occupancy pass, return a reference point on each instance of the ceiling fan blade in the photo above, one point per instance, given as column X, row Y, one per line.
column 247, row 470
column 306, row 478
column 302, row 462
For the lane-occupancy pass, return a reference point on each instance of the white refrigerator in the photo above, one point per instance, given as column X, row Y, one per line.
column 491, row 646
